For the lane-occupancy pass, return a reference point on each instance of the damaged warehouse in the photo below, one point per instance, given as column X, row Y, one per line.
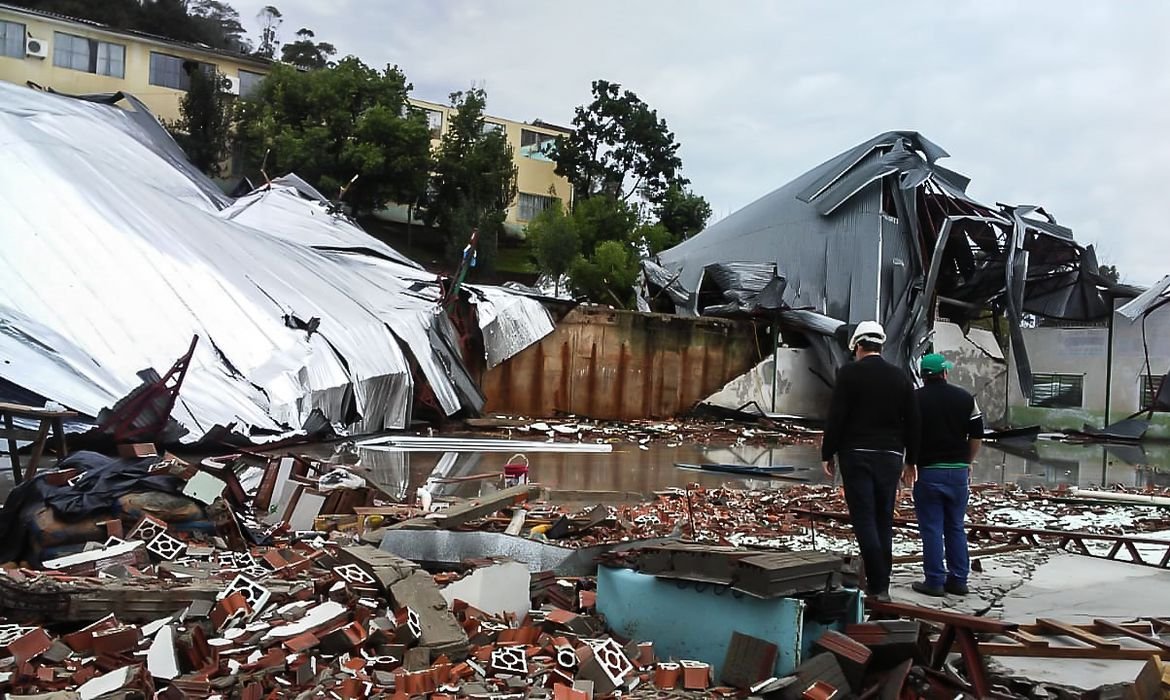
column 117, row 253
column 882, row 232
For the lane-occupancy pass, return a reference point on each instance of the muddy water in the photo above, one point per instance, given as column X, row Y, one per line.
column 630, row 469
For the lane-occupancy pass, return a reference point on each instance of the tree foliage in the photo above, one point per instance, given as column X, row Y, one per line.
column 1110, row 273
column 682, row 212
column 306, row 53
column 204, row 127
column 270, row 21
column 332, row 124
column 608, row 275
column 555, row 242
column 474, row 179
column 619, row 148
column 210, row 22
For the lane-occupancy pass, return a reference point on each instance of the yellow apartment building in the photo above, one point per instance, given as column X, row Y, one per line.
column 77, row 56
column 536, row 180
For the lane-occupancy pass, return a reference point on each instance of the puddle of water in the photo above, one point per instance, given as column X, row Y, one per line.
column 1041, row 463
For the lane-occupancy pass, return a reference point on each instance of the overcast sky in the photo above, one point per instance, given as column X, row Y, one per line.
column 1060, row 103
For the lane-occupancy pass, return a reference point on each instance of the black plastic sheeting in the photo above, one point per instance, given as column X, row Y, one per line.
column 883, row 232
column 102, row 481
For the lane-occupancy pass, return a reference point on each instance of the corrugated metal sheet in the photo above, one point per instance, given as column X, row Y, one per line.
column 113, row 259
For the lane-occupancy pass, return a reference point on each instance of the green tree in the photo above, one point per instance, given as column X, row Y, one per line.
column 555, row 242
column 211, row 22
column 204, row 127
column 306, row 53
column 1110, row 273
column 607, row 276
column 473, row 181
column 219, row 25
column 332, row 124
column 270, row 21
column 682, row 212
column 619, row 147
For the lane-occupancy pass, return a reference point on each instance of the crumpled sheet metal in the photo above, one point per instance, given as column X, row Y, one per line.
column 509, row 322
column 455, row 547
column 113, row 259
column 853, row 240
column 1149, row 300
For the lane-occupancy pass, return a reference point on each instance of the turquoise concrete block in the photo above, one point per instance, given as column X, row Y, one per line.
column 692, row 621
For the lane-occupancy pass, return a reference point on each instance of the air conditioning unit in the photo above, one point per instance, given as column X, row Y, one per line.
column 37, row 48
column 231, row 85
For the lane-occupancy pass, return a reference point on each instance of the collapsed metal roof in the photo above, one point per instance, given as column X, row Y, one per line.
column 114, row 255
column 882, row 232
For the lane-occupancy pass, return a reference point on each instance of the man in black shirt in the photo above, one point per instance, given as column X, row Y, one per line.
column 952, row 430
column 872, row 431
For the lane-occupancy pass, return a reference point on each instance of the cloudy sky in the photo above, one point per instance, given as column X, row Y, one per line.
column 1059, row 103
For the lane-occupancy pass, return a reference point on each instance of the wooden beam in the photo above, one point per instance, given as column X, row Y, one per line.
column 1051, row 652
column 1144, row 638
column 1028, row 639
column 1077, row 633
column 943, row 617
column 463, row 513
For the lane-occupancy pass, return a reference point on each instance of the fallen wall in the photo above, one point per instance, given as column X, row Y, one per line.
column 980, row 367
column 622, row 365
column 799, row 391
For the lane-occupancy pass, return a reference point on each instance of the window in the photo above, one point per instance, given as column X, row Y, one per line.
column 492, row 127
column 89, row 55
column 534, row 144
column 434, row 122
column 249, row 82
column 174, row 72
column 533, row 204
column 1150, row 384
column 111, row 59
column 1057, row 390
column 11, row 39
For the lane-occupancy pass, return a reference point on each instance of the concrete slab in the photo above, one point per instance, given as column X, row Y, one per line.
column 1076, row 589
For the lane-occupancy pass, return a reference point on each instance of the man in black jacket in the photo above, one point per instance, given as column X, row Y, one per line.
column 952, row 431
column 872, row 432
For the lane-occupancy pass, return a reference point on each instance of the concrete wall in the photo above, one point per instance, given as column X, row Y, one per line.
column 162, row 101
column 609, row 364
column 799, row 391
column 1084, row 352
column 980, row 367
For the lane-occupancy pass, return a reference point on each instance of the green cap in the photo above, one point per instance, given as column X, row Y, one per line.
column 935, row 363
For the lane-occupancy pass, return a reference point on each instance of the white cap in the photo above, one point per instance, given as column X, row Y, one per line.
column 870, row 331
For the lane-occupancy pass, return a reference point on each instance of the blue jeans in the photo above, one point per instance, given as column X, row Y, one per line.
column 940, row 500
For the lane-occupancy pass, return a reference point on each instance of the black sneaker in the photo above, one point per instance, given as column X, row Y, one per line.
column 924, row 589
column 956, row 588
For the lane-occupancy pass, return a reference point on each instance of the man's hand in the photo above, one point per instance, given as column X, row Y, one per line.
column 829, row 468
column 909, row 475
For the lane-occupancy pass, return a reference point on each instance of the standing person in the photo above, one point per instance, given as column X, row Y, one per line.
column 872, row 433
column 952, row 431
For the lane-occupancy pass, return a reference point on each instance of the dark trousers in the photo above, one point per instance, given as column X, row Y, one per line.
column 940, row 501
column 871, row 489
